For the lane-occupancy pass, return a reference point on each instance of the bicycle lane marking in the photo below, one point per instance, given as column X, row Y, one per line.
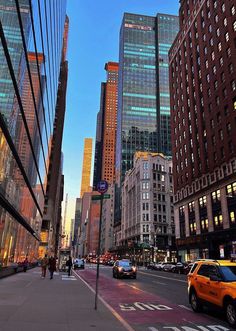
column 138, row 307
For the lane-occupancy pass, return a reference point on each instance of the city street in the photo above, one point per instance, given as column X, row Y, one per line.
column 156, row 300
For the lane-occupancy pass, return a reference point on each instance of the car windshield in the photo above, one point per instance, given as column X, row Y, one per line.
column 125, row 264
column 229, row 273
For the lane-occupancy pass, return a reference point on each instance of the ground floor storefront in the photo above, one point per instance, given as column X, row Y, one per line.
column 216, row 245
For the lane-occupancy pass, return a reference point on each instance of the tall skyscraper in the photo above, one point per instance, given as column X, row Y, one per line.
column 104, row 163
column 143, row 100
column 86, row 171
column 55, row 180
column 21, row 78
column 109, row 128
column 97, row 171
column 203, row 112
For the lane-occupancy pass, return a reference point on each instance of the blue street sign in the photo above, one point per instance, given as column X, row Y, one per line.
column 102, row 186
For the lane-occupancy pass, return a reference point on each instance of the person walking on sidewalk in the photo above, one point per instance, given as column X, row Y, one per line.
column 25, row 264
column 44, row 264
column 52, row 266
column 69, row 265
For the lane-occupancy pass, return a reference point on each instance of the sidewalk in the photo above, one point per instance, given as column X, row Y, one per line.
column 30, row 303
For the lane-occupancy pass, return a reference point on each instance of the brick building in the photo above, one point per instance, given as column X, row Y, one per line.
column 203, row 115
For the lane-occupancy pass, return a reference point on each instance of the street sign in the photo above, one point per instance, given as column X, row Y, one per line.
column 98, row 197
column 102, row 186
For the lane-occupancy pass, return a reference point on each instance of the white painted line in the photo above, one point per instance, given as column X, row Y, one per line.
column 151, row 328
column 68, row 279
column 187, row 308
column 117, row 316
column 156, row 282
column 177, row 280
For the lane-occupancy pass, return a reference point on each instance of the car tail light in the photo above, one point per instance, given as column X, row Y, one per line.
column 134, row 269
column 120, row 268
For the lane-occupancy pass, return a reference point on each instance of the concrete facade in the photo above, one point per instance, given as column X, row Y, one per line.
column 147, row 209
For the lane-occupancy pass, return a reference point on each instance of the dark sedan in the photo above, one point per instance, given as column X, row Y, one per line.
column 124, row 268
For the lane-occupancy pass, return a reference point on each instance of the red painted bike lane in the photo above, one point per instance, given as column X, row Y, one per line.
column 146, row 311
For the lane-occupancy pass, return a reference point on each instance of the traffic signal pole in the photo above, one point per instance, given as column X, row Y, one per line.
column 98, row 252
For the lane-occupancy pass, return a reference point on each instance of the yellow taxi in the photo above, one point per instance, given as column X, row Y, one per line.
column 213, row 282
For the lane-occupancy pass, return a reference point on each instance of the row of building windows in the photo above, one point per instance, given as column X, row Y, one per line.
column 230, row 192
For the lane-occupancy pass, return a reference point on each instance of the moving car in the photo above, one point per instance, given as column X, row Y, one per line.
column 78, row 264
column 213, row 282
column 124, row 268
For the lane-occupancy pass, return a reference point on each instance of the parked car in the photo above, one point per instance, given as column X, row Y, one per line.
column 160, row 265
column 179, row 268
column 124, row 268
column 78, row 264
column 187, row 268
column 168, row 267
column 151, row 266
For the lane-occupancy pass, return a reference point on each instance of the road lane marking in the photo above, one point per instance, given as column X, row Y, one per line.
column 115, row 314
column 151, row 328
column 156, row 282
column 187, row 308
column 177, row 280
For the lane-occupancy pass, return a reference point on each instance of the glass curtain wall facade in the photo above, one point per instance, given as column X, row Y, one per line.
column 143, row 91
column 31, row 34
column 167, row 29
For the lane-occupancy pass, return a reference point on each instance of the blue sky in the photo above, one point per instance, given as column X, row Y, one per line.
column 93, row 41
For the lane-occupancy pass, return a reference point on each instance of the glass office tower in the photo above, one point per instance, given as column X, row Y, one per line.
column 166, row 31
column 143, row 98
column 26, row 28
column 143, row 122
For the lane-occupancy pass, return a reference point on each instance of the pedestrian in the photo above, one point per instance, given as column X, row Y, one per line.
column 52, row 266
column 25, row 264
column 44, row 264
column 69, row 265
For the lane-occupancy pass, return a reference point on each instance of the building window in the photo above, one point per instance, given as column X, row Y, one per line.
column 218, row 220
column 191, row 206
column 192, row 227
column 227, row 36
column 231, row 189
column 234, row 25
column 215, row 196
column 204, row 224
column 145, row 166
column 232, row 216
column 202, row 201
column 229, row 52
column 233, row 85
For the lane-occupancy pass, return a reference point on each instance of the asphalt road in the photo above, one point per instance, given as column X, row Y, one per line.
column 155, row 301
column 170, row 286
